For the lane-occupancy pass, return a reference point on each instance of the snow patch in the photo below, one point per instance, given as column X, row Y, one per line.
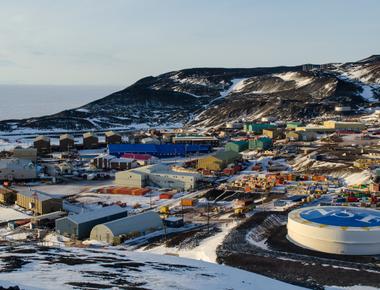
column 296, row 77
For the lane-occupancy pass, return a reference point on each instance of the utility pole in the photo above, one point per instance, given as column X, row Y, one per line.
column 182, row 210
column 165, row 234
column 208, row 217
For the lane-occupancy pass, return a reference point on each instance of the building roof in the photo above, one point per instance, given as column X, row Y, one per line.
column 38, row 194
column 66, row 136
column 240, row 142
column 105, row 156
column 157, row 149
column 89, row 134
column 263, row 139
column 139, row 222
column 96, row 214
column 194, row 137
column 111, row 133
column 15, row 163
column 122, row 160
column 143, row 157
column 226, row 155
column 160, row 169
column 42, row 138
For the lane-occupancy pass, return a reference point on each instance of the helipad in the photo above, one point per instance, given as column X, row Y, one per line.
column 338, row 230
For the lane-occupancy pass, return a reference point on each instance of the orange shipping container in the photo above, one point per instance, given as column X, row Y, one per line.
column 188, row 202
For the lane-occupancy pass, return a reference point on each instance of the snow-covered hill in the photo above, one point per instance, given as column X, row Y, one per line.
column 69, row 268
column 212, row 96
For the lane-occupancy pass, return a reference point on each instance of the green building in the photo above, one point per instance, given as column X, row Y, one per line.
column 257, row 128
column 262, row 143
column 236, row 146
column 218, row 161
column 293, row 125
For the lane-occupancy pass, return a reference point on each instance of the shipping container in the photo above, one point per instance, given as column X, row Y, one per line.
column 188, row 202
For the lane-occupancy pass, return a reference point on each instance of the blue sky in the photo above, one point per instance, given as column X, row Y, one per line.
column 116, row 42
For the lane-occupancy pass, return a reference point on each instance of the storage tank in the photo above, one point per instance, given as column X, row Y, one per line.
column 336, row 230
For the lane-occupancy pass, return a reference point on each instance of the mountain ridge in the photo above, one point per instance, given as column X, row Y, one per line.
column 212, row 96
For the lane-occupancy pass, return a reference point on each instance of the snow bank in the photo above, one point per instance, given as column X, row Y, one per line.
column 357, row 178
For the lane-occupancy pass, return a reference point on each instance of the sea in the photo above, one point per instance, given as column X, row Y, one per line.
column 24, row 101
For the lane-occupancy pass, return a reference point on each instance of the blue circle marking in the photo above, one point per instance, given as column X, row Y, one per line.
column 341, row 216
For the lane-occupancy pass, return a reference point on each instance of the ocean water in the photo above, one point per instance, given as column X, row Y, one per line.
column 24, row 101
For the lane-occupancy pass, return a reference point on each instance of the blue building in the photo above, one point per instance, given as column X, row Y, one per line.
column 160, row 150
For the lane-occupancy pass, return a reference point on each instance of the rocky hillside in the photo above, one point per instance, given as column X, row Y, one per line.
column 212, row 96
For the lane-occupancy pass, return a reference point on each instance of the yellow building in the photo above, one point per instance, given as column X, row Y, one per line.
column 351, row 126
column 271, row 133
column 218, row 161
column 7, row 196
column 38, row 202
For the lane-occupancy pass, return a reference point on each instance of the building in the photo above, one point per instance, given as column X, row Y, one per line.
column 112, row 137
column 108, row 162
column 38, row 202
column 376, row 175
column 7, row 196
column 42, row 144
column 103, row 161
column 257, row 128
column 29, row 154
column 17, row 169
column 344, row 126
column 261, row 143
column 90, row 141
column 271, row 133
column 117, row 231
column 342, row 109
column 336, row 230
column 123, row 163
column 150, row 140
column 236, row 146
column 141, row 159
column 80, row 225
column 196, row 140
column 315, row 129
column 293, row 125
column 301, row 136
column 374, row 187
column 173, row 222
column 66, row 142
column 162, row 150
column 218, row 161
column 157, row 175
column 57, row 169
column 234, row 125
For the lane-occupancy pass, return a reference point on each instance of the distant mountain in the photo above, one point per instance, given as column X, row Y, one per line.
column 213, row 96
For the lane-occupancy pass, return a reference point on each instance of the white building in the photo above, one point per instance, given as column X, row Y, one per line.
column 127, row 227
column 17, row 169
column 157, row 175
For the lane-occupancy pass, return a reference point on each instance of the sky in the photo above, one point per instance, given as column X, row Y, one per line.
column 116, row 42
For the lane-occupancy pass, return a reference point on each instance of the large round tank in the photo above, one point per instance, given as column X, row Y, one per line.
column 336, row 230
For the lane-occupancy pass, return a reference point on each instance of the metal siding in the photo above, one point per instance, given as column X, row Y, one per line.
column 162, row 150
column 84, row 229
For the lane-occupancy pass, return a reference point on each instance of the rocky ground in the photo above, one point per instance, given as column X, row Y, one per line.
column 278, row 258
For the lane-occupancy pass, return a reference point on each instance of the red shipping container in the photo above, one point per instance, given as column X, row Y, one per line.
column 352, row 199
column 165, row 196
